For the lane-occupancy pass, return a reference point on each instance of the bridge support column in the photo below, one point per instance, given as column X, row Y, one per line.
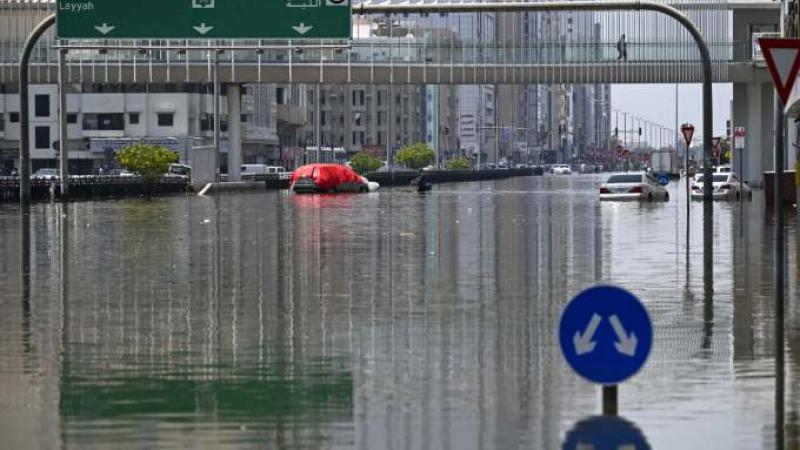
column 234, row 133
column 753, row 109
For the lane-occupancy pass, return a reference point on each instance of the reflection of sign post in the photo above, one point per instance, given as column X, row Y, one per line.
column 605, row 432
column 202, row 19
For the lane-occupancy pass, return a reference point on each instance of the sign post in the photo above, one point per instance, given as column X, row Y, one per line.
column 739, row 135
column 783, row 61
column 204, row 19
column 606, row 336
column 687, row 131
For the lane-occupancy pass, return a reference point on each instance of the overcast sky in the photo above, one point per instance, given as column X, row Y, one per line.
column 656, row 103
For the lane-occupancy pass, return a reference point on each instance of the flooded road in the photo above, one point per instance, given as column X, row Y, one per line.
column 389, row 320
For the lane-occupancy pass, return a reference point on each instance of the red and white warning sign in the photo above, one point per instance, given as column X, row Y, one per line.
column 738, row 137
column 783, row 63
column 687, row 130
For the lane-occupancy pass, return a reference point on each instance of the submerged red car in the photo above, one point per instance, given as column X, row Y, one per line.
column 321, row 178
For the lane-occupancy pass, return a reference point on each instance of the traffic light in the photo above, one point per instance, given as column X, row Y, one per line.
column 640, row 131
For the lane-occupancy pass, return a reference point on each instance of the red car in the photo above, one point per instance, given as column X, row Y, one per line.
column 327, row 178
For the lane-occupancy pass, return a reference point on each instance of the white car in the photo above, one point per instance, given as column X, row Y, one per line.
column 45, row 174
column 633, row 186
column 562, row 169
column 726, row 186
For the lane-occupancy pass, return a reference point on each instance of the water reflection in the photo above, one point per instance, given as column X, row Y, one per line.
column 388, row 320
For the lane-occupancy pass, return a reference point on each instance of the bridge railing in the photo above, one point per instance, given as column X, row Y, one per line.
column 400, row 52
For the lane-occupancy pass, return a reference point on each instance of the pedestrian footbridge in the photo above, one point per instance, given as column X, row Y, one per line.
column 460, row 48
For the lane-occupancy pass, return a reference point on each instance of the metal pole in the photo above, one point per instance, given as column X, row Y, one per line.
column 63, row 134
column 780, row 261
column 610, row 400
column 741, row 184
column 217, row 143
column 318, row 124
column 24, row 110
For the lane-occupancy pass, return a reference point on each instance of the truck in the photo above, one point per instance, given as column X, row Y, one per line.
column 666, row 162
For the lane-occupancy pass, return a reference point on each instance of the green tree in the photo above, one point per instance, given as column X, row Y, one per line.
column 148, row 161
column 364, row 162
column 460, row 163
column 416, row 156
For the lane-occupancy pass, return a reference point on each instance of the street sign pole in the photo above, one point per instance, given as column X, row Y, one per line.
column 738, row 145
column 610, row 400
column 216, row 100
column 63, row 136
column 687, row 131
column 783, row 61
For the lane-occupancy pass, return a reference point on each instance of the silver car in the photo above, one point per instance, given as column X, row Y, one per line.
column 726, row 186
column 633, row 186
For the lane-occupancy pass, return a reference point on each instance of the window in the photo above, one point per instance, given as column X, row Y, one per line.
column 380, row 118
column 625, row 179
column 322, row 116
column 207, row 122
column 280, row 96
column 42, row 105
column 42, row 137
column 13, row 117
column 165, row 119
column 2, row 123
column 72, row 118
column 104, row 122
column 133, row 118
column 243, row 118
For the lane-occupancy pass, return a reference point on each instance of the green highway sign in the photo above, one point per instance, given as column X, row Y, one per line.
column 203, row 19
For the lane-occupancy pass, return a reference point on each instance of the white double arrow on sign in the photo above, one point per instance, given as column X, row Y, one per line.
column 584, row 344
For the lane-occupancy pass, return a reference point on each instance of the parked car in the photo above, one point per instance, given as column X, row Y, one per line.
column 726, row 186
column 120, row 173
column 562, row 169
column 633, row 186
column 487, row 166
column 179, row 170
column 328, row 178
column 46, row 174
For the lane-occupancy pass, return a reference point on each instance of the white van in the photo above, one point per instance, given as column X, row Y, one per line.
column 254, row 170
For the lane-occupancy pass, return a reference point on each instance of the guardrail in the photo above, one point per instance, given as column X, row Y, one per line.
column 93, row 186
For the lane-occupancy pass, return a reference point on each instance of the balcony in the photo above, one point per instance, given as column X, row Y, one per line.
column 291, row 115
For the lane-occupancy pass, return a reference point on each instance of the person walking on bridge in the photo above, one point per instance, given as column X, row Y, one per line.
column 622, row 48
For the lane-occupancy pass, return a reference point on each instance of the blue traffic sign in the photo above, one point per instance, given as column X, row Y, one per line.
column 605, row 334
column 605, row 433
column 663, row 179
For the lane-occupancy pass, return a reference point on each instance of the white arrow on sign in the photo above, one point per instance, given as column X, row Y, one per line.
column 627, row 344
column 104, row 29
column 583, row 343
column 203, row 28
column 302, row 28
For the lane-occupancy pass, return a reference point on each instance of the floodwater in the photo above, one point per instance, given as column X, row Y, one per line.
column 391, row 320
